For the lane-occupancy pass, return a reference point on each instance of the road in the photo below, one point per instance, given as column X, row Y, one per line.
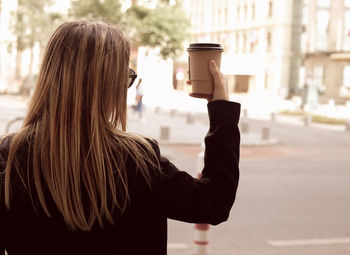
column 293, row 197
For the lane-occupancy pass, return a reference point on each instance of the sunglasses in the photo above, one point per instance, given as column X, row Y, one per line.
column 132, row 77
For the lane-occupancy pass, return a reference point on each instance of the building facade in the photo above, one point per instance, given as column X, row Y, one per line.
column 260, row 57
column 7, row 59
column 326, row 48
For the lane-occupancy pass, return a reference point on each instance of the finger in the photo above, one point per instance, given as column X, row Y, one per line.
column 222, row 76
column 215, row 73
column 226, row 82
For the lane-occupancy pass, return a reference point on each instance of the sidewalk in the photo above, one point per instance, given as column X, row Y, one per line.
column 176, row 129
column 180, row 128
column 11, row 101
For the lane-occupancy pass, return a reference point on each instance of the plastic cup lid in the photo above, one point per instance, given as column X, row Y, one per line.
column 204, row 46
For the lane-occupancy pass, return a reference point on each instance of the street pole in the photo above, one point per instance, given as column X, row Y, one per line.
column 201, row 230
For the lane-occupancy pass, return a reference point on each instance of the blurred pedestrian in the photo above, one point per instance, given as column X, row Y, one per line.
column 73, row 181
column 138, row 99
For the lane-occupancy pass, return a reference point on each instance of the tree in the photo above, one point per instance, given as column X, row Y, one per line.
column 31, row 23
column 165, row 26
column 107, row 10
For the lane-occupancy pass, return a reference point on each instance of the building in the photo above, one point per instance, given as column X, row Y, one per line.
column 326, row 48
column 7, row 59
column 261, row 40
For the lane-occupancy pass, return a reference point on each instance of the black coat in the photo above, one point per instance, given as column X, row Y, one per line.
column 142, row 229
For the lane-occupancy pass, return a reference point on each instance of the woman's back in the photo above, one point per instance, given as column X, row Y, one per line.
column 26, row 228
column 72, row 180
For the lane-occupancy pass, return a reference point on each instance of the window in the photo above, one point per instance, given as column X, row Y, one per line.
column 302, row 77
column 266, row 85
column 322, row 26
column 318, row 73
column 268, row 41
column 244, row 42
column 238, row 12
column 253, row 11
column 241, row 43
column 213, row 15
column 305, row 15
column 346, row 76
column 303, row 41
column 346, row 3
column 270, row 9
column 253, row 40
column 323, row 3
column 346, row 37
column 322, row 21
column 268, row 79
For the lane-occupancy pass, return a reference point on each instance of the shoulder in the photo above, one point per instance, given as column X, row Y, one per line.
column 5, row 144
column 4, row 150
column 154, row 144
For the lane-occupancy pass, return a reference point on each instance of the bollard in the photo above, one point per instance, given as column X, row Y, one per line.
column 244, row 127
column 245, row 113
column 201, row 239
column 273, row 116
column 164, row 133
column 347, row 126
column 172, row 112
column 308, row 120
column 201, row 230
column 189, row 118
column 157, row 110
column 265, row 133
column 347, row 104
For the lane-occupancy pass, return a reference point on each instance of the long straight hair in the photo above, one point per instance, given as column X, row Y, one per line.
column 76, row 125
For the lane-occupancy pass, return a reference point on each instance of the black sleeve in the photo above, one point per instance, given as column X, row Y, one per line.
column 4, row 147
column 210, row 198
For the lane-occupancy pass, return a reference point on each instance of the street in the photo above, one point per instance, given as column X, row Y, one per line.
column 298, row 190
column 293, row 197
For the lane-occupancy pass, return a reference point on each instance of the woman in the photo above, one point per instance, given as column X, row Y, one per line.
column 73, row 181
column 138, row 98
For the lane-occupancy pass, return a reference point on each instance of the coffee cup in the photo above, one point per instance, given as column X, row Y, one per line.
column 200, row 54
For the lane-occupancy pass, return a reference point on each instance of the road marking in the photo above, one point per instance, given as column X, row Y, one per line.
column 177, row 246
column 304, row 242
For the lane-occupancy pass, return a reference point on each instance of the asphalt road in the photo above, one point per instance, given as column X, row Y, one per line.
column 293, row 197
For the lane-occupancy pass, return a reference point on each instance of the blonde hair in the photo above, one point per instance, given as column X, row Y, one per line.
column 76, row 125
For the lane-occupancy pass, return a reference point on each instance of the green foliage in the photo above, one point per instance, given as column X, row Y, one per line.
column 107, row 10
column 32, row 23
column 328, row 120
column 165, row 27
column 315, row 117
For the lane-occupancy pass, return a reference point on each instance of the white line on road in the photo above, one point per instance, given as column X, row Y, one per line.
column 304, row 242
column 177, row 246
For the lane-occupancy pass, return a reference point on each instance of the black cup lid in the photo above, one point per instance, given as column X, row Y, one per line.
column 205, row 46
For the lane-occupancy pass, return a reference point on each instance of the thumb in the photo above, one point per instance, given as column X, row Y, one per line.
column 215, row 72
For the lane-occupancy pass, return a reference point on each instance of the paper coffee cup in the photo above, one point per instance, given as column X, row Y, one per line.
column 199, row 57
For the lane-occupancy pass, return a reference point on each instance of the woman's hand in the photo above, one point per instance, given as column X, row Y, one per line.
column 220, row 83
